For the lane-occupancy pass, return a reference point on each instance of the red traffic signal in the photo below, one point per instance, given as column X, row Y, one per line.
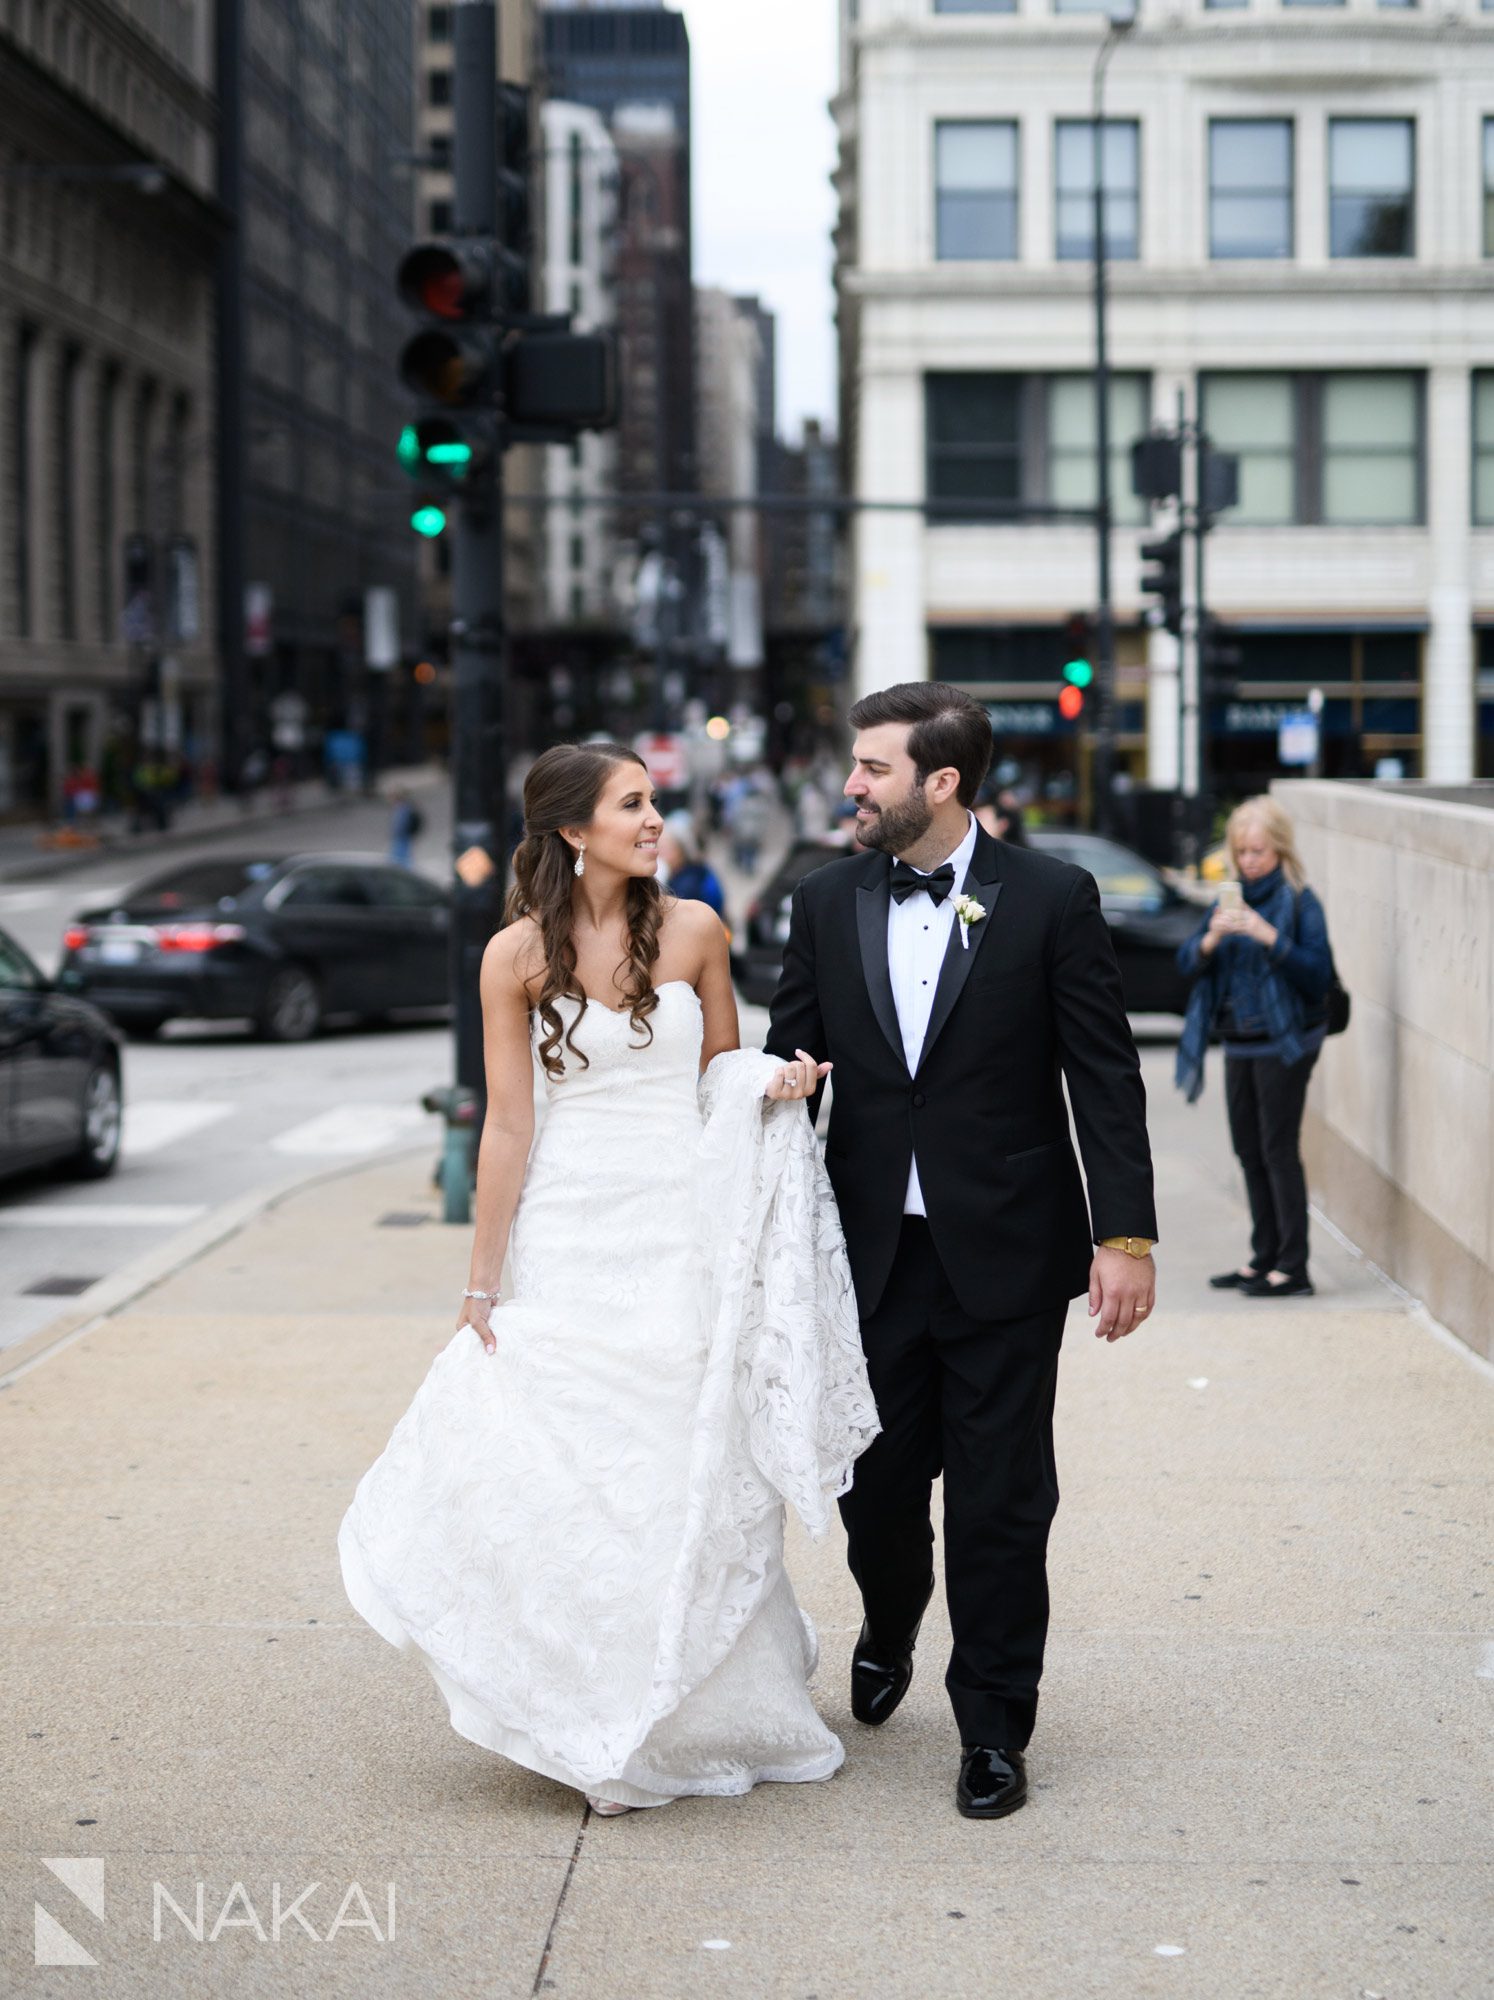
column 1070, row 702
column 451, row 281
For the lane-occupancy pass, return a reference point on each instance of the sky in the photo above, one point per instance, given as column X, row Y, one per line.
column 763, row 72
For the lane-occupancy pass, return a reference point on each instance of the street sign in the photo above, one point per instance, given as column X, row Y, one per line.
column 1297, row 738
column 665, row 757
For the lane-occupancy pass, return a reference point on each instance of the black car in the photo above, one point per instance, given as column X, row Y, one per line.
column 283, row 941
column 59, row 1074
column 1147, row 919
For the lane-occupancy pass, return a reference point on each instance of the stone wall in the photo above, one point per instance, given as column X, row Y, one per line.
column 1399, row 1134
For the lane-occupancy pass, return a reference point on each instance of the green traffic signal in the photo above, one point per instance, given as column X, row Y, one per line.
column 455, row 451
column 1078, row 673
column 408, row 448
column 429, row 521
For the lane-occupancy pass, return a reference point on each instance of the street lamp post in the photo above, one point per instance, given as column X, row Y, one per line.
column 1116, row 26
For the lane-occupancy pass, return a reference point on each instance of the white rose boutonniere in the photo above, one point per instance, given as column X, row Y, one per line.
column 969, row 912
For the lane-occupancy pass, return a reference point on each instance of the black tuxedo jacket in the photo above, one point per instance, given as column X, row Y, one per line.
column 1036, row 996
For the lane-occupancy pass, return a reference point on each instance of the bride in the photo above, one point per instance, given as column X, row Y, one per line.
column 578, row 1523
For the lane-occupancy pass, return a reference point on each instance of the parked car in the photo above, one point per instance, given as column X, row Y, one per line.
column 1148, row 920
column 757, row 964
column 60, row 1098
column 280, row 940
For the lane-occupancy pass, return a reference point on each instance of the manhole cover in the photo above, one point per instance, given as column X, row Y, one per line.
column 57, row 1288
column 403, row 1218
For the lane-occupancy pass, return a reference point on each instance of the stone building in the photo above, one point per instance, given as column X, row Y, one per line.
column 108, row 235
column 1300, row 216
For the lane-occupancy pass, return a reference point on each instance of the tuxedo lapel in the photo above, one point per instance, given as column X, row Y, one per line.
column 983, row 882
column 873, row 901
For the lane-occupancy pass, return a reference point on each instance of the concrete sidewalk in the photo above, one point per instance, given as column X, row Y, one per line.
column 1263, row 1765
column 30, row 852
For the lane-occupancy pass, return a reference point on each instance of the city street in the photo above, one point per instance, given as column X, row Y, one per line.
column 212, row 1115
column 1262, row 1768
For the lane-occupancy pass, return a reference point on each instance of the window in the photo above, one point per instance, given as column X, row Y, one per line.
column 1081, row 6
column 1342, row 449
column 1074, row 232
column 1489, row 187
column 1371, row 187
column 1001, row 440
column 1070, row 433
column 974, row 425
column 22, row 481
column 18, row 973
column 975, row 177
column 438, row 86
column 975, row 6
column 1371, row 458
column 1254, row 416
column 1250, row 187
column 325, row 888
column 104, row 459
column 440, row 214
column 438, row 24
column 1483, row 450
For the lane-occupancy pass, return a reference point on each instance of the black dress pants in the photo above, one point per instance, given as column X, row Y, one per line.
column 973, row 1399
column 1266, row 1100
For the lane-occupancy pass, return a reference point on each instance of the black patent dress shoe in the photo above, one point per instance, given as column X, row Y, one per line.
column 992, row 1783
column 1233, row 1281
column 879, row 1677
column 1289, row 1288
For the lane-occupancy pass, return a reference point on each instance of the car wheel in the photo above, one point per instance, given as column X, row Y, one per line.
column 291, row 1010
column 99, row 1152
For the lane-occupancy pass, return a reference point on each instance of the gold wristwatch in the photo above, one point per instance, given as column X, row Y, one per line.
column 1134, row 1246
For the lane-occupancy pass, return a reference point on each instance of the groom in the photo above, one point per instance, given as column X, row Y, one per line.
column 951, row 979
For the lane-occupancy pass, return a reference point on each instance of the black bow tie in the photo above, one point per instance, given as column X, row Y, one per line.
column 907, row 882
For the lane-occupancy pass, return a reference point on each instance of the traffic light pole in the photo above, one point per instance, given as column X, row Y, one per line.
column 478, row 634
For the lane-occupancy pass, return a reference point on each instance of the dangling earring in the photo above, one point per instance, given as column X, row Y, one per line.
column 580, row 860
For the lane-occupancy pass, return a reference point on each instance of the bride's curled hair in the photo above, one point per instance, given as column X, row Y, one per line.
column 562, row 789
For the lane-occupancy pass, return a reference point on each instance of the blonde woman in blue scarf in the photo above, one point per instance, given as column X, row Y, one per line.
column 1262, row 967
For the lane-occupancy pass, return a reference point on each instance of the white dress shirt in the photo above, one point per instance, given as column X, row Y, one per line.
column 918, row 933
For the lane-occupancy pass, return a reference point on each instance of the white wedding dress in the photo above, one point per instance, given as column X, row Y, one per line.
column 582, row 1534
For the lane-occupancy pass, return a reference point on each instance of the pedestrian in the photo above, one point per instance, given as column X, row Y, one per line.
column 951, row 1018
column 749, row 818
column 405, row 822
column 683, row 869
column 1000, row 812
column 1262, row 967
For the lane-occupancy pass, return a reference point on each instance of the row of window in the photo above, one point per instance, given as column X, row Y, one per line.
column 1315, row 448
column 1107, row 6
column 1252, row 188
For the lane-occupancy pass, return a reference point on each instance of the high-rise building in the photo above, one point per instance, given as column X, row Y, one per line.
column 729, row 390
column 580, row 235
column 317, row 111
column 1300, row 217
column 108, row 235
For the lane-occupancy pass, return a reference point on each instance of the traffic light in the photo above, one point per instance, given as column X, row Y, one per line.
column 1219, row 664
column 455, row 363
column 1157, row 466
column 1078, row 667
column 1164, row 579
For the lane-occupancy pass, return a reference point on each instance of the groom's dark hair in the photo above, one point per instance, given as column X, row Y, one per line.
column 949, row 729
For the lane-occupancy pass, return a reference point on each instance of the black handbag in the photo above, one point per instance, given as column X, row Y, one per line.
column 1336, row 1007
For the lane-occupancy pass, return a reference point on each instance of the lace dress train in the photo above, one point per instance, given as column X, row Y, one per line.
column 582, row 1534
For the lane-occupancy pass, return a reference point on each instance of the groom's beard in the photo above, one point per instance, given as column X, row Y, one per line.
column 897, row 827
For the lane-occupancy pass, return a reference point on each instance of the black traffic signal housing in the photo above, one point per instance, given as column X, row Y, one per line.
column 1162, row 578
column 1157, row 466
column 515, row 199
column 1219, row 663
column 1078, row 671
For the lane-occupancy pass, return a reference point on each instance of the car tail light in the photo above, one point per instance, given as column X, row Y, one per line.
column 196, row 937
column 75, row 937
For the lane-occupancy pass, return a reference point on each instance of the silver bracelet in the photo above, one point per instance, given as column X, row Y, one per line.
column 494, row 1297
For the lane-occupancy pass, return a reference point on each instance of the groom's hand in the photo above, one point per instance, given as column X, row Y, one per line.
column 1122, row 1290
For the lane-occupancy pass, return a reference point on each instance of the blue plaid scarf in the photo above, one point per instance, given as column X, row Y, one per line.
column 1257, row 992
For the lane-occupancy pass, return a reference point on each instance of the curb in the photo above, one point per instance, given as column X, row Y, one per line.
column 43, row 867
column 101, row 1302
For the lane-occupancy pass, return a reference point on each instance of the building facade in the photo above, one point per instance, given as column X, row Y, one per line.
column 317, row 107
column 107, row 557
column 1299, row 221
column 729, row 349
column 580, row 238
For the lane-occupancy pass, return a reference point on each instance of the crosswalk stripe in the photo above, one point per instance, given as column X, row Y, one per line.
column 354, row 1128
column 100, row 1215
column 152, row 1123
